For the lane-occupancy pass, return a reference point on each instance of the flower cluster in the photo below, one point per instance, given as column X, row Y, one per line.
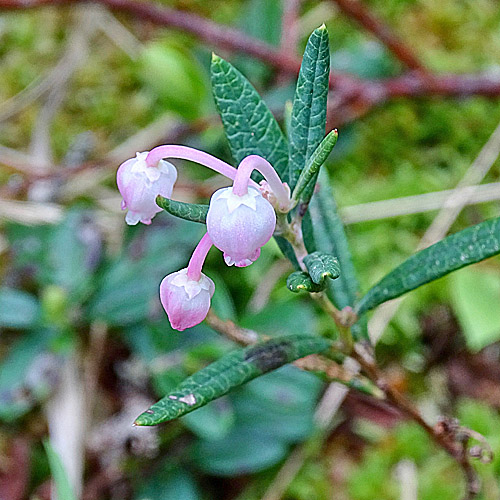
column 240, row 220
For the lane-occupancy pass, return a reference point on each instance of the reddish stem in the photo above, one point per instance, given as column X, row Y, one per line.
column 356, row 10
column 363, row 93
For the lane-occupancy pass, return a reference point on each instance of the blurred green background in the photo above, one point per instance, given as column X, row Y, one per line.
column 84, row 343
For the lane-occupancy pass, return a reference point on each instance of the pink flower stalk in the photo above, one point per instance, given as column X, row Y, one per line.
column 185, row 295
column 280, row 190
column 191, row 154
column 140, row 184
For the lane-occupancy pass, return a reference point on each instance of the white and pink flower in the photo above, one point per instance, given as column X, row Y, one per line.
column 240, row 225
column 240, row 220
column 140, row 184
column 186, row 301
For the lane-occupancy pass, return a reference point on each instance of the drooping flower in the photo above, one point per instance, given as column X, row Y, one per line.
column 140, row 184
column 185, row 295
column 185, row 300
column 240, row 225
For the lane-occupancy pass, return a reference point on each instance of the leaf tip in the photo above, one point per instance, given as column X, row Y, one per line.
column 144, row 419
column 215, row 58
column 321, row 30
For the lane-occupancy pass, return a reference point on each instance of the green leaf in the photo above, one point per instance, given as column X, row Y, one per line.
column 458, row 250
column 175, row 78
column 330, row 237
column 18, row 390
column 59, row 475
column 74, row 250
column 283, row 318
column 232, row 370
column 170, row 482
column 300, row 281
column 188, row 211
column 475, row 294
column 279, row 406
column 249, row 125
column 127, row 289
column 321, row 266
column 241, row 452
column 212, row 421
column 305, row 184
column 18, row 309
column 272, row 412
column 308, row 122
column 287, row 250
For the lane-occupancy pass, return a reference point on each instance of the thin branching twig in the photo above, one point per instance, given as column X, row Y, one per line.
column 360, row 12
column 365, row 93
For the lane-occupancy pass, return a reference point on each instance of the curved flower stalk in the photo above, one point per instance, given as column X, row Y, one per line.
column 141, row 179
column 240, row 220
column 185, row 295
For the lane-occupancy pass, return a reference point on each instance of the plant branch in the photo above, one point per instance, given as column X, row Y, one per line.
column 231, row 330
column 222, row 36
column 442, row 434
column 362, row 94
column 289, row 27
column 358, row 11
column 331, row 370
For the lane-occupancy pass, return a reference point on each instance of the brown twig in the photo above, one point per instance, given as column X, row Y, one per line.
column 356, row 10
column 232, row 331
column 289, row 27
column 314, row 362
column 348, row 89
column 441, row 434
column 221, row 36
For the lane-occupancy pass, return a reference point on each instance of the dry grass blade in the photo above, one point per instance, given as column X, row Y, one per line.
column 122, row 37
column 30, row 213
column 407, row 205
column 77, row 48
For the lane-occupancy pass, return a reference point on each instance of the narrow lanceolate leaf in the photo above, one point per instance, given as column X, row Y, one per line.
column 249, row 125
column 229, row 372
column 188, row 211
column 458, row 250
column 330, row 237
column 308, row 122
column 305, row 187
column 300, row 281
column 287, row 250
column 322, row 265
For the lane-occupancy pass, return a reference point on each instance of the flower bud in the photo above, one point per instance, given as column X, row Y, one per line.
column 240, row 225
column 186, row 301
column 140, row 185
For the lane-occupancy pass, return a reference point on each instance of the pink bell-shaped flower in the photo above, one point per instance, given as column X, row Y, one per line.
column 240, row 225
column 186, row 301
column 140, row 184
